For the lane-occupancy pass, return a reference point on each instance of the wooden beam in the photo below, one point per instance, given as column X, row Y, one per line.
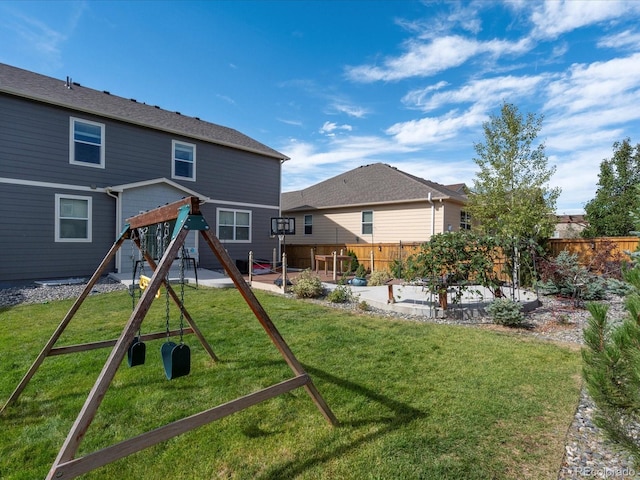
column 97, row 393
column 165, row 213
column 262, row 316
column 83, row 347
column 78, row 466
column 65, row 321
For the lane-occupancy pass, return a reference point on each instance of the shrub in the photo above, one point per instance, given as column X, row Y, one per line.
column 379, row 277
column 507, row 312
column 308, row 285
column 341, row 294
column 361, row 272
column 353, row 263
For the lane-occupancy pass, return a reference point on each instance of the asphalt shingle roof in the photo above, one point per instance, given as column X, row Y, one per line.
column 378, row 183
column 26, row 84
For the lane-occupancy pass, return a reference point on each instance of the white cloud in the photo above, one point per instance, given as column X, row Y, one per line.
column 426, row 59
column 330, row 127
column 38, row 37
column 600, row 84
column 555, row 17
column 626, row 39
column 430, row 130
column 487, row 91
column 350, row 110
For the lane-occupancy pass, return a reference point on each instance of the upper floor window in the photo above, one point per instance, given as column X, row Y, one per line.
column 234, row 225
column 465, row 220
column 308, row 224
column 86, row 143
column 73, row 218
column 367, row 222
column 183, row 164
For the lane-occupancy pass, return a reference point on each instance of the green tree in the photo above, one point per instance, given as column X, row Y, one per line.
column 611, row 359
column 510, row 196
column 608, row 213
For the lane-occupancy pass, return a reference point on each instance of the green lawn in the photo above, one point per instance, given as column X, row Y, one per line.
column 415, row 400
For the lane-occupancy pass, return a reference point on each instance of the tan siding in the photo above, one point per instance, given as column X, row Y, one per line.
column 451, row 217
column 391, row 223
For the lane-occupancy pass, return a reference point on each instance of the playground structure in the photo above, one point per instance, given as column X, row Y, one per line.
column 187, row 217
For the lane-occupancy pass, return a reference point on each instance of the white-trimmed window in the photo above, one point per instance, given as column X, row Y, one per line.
column 73, row 218
column 183, row 163
column 308, row 224
column 234, row 225
column 367, row 222
column 465, row 220
column 86, row 143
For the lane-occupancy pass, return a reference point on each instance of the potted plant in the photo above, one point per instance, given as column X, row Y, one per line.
column 360, row 279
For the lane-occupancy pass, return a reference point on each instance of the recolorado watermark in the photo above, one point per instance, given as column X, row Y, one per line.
column 602, row 472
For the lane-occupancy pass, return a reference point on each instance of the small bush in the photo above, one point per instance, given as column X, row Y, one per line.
column 308, row 285
column 341, row 294
column 507, row 312
column 364, row 306
column 379, row 277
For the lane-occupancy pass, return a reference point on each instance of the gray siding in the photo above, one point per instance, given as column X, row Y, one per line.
column 262, row 244
column 34, row 146
column 27, row 247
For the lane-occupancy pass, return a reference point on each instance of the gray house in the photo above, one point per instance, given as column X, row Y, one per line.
column 76, row 162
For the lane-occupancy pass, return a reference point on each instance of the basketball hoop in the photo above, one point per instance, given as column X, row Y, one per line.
column 283, row 226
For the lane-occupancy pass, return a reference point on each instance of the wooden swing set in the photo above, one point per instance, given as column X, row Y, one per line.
column 187, row 217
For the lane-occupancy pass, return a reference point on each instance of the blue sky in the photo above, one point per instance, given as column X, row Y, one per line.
column 339, row 84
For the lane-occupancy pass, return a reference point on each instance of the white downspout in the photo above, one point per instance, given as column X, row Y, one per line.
column 118, row 258
column 433, row 214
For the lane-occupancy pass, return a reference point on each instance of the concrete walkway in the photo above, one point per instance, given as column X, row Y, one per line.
column 407, row 299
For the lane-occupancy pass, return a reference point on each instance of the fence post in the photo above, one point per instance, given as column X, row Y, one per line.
column 371, row 261
column 284, row 272
column 313, row 260
column 274, row 260
column 335, row 265
column 250, row 265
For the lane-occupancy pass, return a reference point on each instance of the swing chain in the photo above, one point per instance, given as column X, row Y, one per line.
column 182, row 295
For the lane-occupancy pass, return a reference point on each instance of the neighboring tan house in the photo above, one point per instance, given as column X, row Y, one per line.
column 569, row 226
column 374, row 204
column 76, row 162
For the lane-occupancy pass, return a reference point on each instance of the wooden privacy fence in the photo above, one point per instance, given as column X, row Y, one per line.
column 586, row 248
column 384, row 254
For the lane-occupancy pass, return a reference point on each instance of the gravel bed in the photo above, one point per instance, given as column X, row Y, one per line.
column 587, row 453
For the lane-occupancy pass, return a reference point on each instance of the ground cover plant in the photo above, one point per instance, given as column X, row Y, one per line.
column 415, row 400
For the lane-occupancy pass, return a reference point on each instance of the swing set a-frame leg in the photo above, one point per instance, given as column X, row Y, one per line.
column 97, row 393
column 44, row 353
column 262, row 316
column 66, row 466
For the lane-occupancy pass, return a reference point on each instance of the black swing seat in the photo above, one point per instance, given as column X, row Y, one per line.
column 136, row 352
column 176, row 359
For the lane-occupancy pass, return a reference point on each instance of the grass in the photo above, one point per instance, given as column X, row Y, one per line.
column 415, row 400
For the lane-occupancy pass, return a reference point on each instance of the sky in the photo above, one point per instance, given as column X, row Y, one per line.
column 339, row 84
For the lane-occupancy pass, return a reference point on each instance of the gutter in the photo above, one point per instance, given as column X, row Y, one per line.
column 118, row 258
column 433, row 214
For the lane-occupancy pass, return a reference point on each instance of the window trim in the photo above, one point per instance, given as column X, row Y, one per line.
column 465, row 220
column 175, row 143
column 58, row 217
column 363, row 223
column 235, row 225
column 72, row 143
column 310, row 224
